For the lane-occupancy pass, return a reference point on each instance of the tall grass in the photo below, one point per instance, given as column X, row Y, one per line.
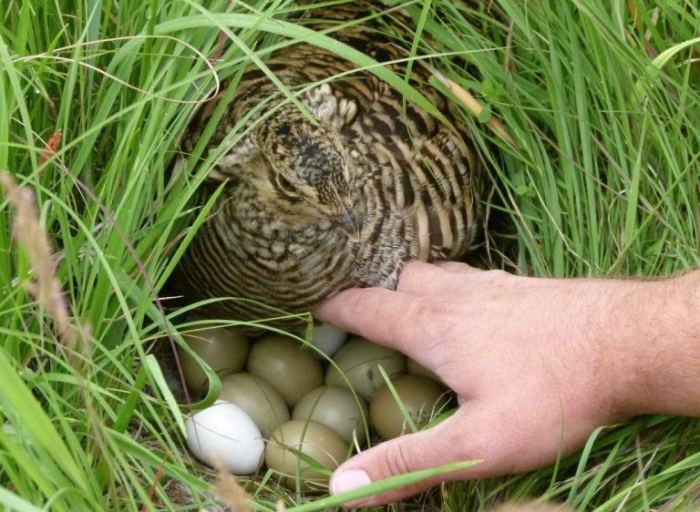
column 601, row 101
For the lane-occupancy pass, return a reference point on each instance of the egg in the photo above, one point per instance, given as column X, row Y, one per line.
column 224, row 350
column 336, row 408
column 422, row 397
column 257, row 398
column 313, row 440
column 224, row 432
column 358, row 360
column 292, row 369
column 418, row 369
column 327, row 338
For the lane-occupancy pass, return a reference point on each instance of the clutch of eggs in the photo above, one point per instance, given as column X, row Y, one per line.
column 286, row 410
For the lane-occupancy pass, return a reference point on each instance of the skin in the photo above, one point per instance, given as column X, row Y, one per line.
column 537, row 364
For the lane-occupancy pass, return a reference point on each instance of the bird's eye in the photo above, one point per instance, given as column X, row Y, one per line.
column 283, row 129
column 285, row 185
column 286, row 190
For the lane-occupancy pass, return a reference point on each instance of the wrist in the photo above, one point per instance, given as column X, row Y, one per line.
column 654, row 329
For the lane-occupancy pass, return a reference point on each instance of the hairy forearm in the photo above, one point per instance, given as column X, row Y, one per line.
column 658, row 326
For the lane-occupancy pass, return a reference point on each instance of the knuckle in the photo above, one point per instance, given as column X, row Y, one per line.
column 450, row 321
column 398, row 457
column 415, row 314
column 429, row 321
column 424, row 310
column 446, row 325
column 432, row 324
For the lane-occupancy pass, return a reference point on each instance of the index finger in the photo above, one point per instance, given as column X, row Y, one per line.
column 383, row 316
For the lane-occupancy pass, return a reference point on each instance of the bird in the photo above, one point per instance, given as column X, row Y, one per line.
column 342, row 195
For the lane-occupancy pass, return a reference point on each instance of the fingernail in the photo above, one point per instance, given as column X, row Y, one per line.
column 348, row 480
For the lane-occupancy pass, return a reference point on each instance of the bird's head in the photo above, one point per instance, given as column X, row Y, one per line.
column 308, row 168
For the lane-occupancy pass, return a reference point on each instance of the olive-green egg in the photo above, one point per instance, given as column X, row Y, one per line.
column 421, row 396
column 292, row 369
column 257, row 398
column 327, row 338
column 224, row 350
column 358, row 360
column 336, row 408
column 418, row 369
column 312, row 439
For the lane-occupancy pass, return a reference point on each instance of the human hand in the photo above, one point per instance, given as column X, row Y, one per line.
column 537, row 365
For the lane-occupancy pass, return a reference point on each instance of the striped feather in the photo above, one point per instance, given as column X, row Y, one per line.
column 414, row 184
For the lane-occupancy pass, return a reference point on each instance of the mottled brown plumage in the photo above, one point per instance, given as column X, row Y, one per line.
column 309, row 210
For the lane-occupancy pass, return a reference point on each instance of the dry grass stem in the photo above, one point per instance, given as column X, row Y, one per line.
column 44, row 286
column 229, row 492
column 474, row 107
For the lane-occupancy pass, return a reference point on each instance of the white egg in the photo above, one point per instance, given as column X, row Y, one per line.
column 328, row 338
column 223, row 432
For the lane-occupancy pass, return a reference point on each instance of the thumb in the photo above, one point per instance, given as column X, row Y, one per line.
column 458, row 438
